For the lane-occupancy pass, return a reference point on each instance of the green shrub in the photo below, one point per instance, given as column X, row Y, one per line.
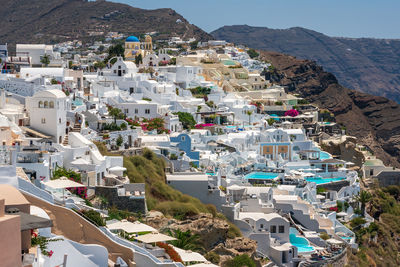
column 324, row 236
column 94, row 217
column 233, row 231
column 252, row 53
column 212, row 257
column 241, row 261
column 212, row 209
column 177, row 209
column 357, row 222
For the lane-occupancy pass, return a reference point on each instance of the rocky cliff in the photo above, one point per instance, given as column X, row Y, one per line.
column 374, row 120
column 365, row 64
column 36, row 21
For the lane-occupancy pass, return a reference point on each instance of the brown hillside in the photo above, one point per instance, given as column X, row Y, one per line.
column 34, row 21
column 374, row 120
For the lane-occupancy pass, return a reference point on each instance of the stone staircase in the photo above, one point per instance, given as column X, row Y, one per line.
column 65, row 142
column 76, row 129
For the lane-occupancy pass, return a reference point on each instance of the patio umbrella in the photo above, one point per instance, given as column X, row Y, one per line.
column 62, row 183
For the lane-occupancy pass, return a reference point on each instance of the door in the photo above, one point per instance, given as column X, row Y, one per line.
column 119, row 73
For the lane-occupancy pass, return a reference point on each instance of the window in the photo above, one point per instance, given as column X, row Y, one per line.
column 51, row 104
column 272, row 229
column 126, row 111
column 40, row 104
column 46, row 104
column 281, row 229
column 136, row 111
column 59, row 120
column 147, row 111
column 115, row 71
column 43, row 120
column 183, row 138
column 261, row 226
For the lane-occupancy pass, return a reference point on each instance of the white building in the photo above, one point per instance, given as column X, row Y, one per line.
column 36, row 53
column 47, row 111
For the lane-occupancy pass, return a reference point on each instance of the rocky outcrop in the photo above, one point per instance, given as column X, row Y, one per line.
column 345, row 149
column 213, row 234
column 212, row 231
column 374, row 120
column 235, row 247
column 365, row 64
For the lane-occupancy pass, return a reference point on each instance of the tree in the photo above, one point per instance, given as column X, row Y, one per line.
column 185, row 240
column 270, row 121
column 172, row 61
column 252, row 53
column 99, row 65
column 138, row 59
column 364, row 197
column 193, row 45
column 116, row 113
column 186, row 119
column 115, row 50
column 119, row 140
column 249, row 113
column 45, row 60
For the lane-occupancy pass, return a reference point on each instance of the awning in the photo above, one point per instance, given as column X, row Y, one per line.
column 117, row 168
column 131, row 227
column 154, row 237
column 190, row 256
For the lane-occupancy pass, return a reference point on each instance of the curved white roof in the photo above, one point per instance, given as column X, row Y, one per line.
column 53, row 93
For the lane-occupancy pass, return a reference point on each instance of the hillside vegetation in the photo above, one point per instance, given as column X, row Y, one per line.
column 149, row 169
column 380, row 242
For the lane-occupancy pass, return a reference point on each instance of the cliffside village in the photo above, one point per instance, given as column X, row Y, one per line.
column 228, row 136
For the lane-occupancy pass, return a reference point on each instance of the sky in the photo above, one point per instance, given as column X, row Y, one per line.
column 344, row 18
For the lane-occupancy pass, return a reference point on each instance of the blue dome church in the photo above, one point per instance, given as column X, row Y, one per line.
column 134, row 47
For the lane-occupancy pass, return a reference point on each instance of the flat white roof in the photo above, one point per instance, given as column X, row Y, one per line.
column 285, row 197
column 54, row 93
column 154, row 138
column 259, row 215
column 187, row 177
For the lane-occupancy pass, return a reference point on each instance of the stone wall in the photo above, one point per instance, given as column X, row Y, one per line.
column 334, row 186
column 130, row 203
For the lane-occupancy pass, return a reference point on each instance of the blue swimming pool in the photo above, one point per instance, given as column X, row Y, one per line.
column 320, row 180
column 301, row 243
column 324, row 155
column 77, row 102
column 262, row 175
